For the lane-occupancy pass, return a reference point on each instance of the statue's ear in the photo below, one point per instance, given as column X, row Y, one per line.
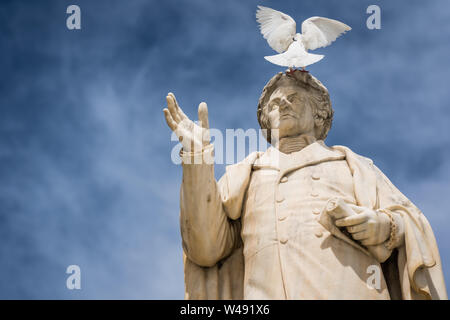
column 318, row 122
column 318, row 125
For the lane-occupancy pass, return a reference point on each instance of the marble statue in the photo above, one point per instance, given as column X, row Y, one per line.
column 301, row 220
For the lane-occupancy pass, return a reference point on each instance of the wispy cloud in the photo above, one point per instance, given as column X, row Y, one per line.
column 85, row 152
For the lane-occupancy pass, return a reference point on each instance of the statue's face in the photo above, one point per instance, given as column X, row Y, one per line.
column 289, row 112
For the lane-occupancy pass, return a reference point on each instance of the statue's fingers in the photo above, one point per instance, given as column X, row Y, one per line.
column 337, row 214
column 173, row 110
column 177, row 106
column 352, row 220
column 368, row 242
column 170, row 122
column 357, row 228
column 356, row 208
column 360, row 235
column 203, row 115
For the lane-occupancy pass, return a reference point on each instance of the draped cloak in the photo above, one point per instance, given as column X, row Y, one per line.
column 413, row 270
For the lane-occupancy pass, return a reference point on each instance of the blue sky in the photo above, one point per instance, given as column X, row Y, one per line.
column 85, row 169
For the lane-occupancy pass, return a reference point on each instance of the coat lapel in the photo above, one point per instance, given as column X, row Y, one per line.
column 312, row 154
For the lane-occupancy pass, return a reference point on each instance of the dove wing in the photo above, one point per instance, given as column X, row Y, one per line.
column 320, row 32
column 276, row 27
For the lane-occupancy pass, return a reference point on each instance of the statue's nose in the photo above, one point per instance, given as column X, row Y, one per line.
column 284, row 103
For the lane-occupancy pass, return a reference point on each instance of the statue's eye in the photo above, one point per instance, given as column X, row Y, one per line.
column 272, row 106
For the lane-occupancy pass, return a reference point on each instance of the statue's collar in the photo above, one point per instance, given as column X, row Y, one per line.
column 313, row 153
column 289, row 145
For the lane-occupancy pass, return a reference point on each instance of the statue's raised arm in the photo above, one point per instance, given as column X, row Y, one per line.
column 207, row 233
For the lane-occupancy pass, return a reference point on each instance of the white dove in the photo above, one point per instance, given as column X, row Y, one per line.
column 279, row 30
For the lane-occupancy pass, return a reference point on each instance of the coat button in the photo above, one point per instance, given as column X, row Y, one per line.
column 315, row 176
column 283, row 214
column 314, row 194
column 284, row 179
column 316, row 211
column 280, row 198
column 283, row 239
column 318, row 233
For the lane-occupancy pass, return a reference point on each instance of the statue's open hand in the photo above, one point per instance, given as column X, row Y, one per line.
column 368, row 226
column 193, row 137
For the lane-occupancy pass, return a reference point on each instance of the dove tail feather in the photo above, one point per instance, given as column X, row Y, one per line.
column 294, row 62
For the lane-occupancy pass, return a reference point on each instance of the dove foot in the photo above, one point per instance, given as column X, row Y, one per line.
column 291, row 71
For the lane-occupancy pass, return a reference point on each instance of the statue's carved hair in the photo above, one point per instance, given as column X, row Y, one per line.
column 317, row 96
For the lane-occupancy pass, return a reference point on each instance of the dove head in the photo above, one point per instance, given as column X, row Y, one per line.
column 298, row 37
column 295, row 105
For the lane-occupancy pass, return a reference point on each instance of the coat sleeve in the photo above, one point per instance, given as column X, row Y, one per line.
column 210, row 213
column 208, row 234
column 418, row 261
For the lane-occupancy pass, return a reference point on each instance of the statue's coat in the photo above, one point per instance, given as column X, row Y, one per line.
column 215, row 257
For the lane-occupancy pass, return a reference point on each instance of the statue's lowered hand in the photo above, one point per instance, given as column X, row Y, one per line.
column 347, row 221
column 194, row 137
column 363, row 224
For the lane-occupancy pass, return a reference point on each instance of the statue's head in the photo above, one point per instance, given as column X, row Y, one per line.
column 295, row 104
